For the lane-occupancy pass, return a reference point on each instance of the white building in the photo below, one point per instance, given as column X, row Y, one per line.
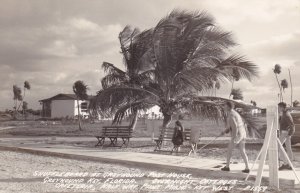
column 64, row 105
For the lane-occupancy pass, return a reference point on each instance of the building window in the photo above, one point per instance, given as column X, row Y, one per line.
column 84, row 107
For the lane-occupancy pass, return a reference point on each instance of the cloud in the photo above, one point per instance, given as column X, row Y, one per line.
column 281, row 47
column 52, row 44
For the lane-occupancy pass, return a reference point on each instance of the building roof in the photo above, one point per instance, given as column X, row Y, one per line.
column 62, row 96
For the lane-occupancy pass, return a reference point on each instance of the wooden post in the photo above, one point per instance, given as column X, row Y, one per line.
column 273, row 148
column 270, row 146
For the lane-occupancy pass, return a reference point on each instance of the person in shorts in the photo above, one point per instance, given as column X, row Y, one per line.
column 235, row 125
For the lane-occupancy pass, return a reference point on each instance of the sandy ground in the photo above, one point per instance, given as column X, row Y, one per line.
column 20, row 172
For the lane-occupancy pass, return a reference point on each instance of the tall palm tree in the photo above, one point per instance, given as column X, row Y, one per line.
column 80, row 90
column 17, row 97
column 235, row 77
column 182, row 55
column 277, row 70
column 284, row 85
column 24, row 108
column 26, row 87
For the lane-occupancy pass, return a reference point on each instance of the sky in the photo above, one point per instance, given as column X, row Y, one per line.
column 53, row 43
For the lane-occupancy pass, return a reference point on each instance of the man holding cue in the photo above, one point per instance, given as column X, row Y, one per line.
column 236, row 126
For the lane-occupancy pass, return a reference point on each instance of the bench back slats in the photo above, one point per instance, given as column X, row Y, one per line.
column 117, row 131
column 168, row 132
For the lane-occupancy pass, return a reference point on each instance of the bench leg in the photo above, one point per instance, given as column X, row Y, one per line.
column 193, row 149
column 113, row 141
column 125, row 142
column 158, row 145
column 100, row 141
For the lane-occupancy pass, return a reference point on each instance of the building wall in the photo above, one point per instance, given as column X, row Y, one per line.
column 62, row 108
column 82, row 111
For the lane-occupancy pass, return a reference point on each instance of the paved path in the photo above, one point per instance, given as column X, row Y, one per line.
column 199, row 167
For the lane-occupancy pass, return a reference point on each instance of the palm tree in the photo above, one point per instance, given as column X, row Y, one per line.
column 235, row 77
column 17, row 97
column 24, row 108
column 26, row 87
column 296, row 103
column 217, row 87
column 237, row 94
column 134, row 45
column 284, row 85
column 181, row 56
column 291, row 87
column 253, row 103
column 80, row 90
column 277, row 70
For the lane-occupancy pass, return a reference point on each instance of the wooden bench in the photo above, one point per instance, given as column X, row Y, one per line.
column 113, row 132
column 167, row 134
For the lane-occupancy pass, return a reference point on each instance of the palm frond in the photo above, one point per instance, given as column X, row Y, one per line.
column 242, row 67
column 17, row 93
column 114, row 75
column 27, row 85
column 129, row 109
column 204, row 108
column 109, row 100
column 237, row 94
column 199, row 78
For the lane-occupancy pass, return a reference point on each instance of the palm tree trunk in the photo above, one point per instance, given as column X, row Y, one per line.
column 23, row 111
column 134, row 121
column 79, row 117
column 280, row 91
column 167, row 120
column 291, row 88
column 15, row 111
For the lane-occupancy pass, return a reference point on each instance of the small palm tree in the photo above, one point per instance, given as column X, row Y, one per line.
column 235, row 77
column 237, row 94
column 253, row 103
column 80, row 90
column 217, row 87
column 296, row 103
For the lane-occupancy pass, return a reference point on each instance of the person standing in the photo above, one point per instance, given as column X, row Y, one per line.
column 287, row 129
column 177, row 138
column 236, row 126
